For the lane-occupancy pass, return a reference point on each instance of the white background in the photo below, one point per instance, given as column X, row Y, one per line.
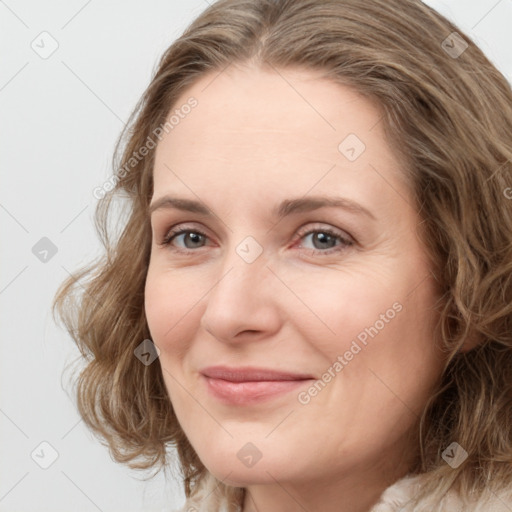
column 59, row 120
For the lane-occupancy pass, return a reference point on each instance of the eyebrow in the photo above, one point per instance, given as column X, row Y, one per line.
column 285, row 208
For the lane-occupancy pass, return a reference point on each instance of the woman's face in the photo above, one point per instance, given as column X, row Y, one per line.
column 294, row 312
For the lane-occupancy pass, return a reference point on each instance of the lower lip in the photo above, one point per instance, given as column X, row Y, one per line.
column 241, row 393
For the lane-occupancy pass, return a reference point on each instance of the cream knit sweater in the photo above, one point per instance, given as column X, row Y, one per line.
column 396, row 497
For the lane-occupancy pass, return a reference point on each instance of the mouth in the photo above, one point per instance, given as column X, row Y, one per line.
column 249, row 385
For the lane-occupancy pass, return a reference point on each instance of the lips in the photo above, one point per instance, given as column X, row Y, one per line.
column 250, row 374
column 241, row 386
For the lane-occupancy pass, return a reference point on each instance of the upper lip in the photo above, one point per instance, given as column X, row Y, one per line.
column 251, row 374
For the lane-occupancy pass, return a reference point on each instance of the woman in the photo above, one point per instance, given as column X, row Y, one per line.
column 311, row 297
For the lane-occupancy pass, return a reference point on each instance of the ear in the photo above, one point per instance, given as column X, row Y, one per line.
column 471, row 342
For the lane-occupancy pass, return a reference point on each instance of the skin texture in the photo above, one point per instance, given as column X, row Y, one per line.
column 256, row 138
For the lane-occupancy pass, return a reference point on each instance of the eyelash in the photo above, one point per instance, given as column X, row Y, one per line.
column 345, row 242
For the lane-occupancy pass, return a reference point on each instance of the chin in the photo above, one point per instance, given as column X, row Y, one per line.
column 240, row 467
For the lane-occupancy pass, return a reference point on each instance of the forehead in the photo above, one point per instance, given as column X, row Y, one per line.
column 257, row 131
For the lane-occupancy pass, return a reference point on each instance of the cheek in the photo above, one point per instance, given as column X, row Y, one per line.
column 336, row 306
column 173, row 313
column 383, row 331
column 171, row 309
column 157, row 297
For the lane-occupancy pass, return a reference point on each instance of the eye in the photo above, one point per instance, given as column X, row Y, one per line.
column 325, row 241
column 321, row 241
column 186, row 239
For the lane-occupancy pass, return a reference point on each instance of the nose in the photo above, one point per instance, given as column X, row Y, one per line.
column 244, row 304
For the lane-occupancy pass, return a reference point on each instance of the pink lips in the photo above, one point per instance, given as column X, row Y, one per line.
column 249, row 385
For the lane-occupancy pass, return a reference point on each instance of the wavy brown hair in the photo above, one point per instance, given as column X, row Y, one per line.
column 448, row 118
